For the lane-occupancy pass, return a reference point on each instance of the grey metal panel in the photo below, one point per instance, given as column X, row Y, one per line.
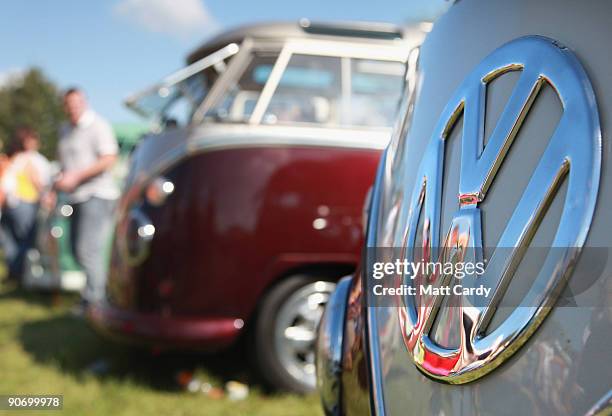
column 566, row 366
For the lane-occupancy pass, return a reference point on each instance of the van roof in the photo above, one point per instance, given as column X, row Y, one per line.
column 367, row 31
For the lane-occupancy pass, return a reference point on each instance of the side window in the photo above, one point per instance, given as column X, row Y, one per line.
column 376, row 88
column 172, row 103
column 177, row 114
column 240, row 99
column 185, row 98
column 309, row 91
column 337, row 91
column 316, row 90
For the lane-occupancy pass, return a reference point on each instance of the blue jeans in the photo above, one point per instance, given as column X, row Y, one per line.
column 90, row 230
column 18, row 235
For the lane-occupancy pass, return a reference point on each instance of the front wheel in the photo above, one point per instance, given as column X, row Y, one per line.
column 285, row 332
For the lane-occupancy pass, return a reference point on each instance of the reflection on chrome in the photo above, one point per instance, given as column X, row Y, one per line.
column 134, row 235
column 329, row 348
column 573, row 155
column 603, row 407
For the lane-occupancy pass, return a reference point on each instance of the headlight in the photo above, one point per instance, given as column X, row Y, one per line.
column 134, row 235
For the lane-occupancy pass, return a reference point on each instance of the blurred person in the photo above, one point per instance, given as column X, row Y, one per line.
column 4, row 243
column 87, row 150
column 4, row 164
column 26, row 176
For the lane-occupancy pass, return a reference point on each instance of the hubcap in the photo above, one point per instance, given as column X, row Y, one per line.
column 295, row 330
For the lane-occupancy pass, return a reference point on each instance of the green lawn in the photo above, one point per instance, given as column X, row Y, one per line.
column 44, row 350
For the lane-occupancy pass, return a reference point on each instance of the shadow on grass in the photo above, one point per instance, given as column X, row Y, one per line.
column 45, row 298
column 74, row 348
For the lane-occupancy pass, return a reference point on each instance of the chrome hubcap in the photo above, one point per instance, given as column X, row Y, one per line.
column 295, row 330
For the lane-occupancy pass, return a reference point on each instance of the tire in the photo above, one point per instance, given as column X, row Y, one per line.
column 285, row 332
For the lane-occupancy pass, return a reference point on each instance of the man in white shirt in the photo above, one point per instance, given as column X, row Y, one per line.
column 87, row 150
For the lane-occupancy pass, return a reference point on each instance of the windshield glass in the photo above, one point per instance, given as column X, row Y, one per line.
column 172, row 101
column 309, row 91
column 239, row 101
column 316, row 90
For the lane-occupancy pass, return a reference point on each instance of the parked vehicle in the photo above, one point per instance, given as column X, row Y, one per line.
column 242, row 213
column 50, row 264
column 502, row 154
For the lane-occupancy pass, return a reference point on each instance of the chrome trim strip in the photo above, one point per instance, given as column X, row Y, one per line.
column 247, row 136
column 603, row 407
column 377, row 399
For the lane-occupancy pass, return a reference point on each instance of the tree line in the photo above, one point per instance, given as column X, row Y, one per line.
column 35, row 101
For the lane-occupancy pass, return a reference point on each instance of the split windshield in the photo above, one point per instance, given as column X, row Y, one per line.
column 309, row 89
column 315, row 90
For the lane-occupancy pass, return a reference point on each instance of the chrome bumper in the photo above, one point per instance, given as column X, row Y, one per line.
column 329, row 348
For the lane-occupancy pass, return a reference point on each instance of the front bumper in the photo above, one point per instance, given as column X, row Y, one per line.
column 201, row 333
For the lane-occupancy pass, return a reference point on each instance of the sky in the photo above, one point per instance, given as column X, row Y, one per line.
column 113, row 48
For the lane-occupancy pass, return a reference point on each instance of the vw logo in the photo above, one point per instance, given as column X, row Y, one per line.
column 573, row 155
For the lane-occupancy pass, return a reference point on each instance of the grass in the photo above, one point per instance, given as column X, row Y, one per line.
column 44, row 350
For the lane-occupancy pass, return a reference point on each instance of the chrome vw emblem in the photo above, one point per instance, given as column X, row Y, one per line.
column 573, row 154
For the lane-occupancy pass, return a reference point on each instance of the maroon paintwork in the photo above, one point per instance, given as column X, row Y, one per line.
column 238, row 221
